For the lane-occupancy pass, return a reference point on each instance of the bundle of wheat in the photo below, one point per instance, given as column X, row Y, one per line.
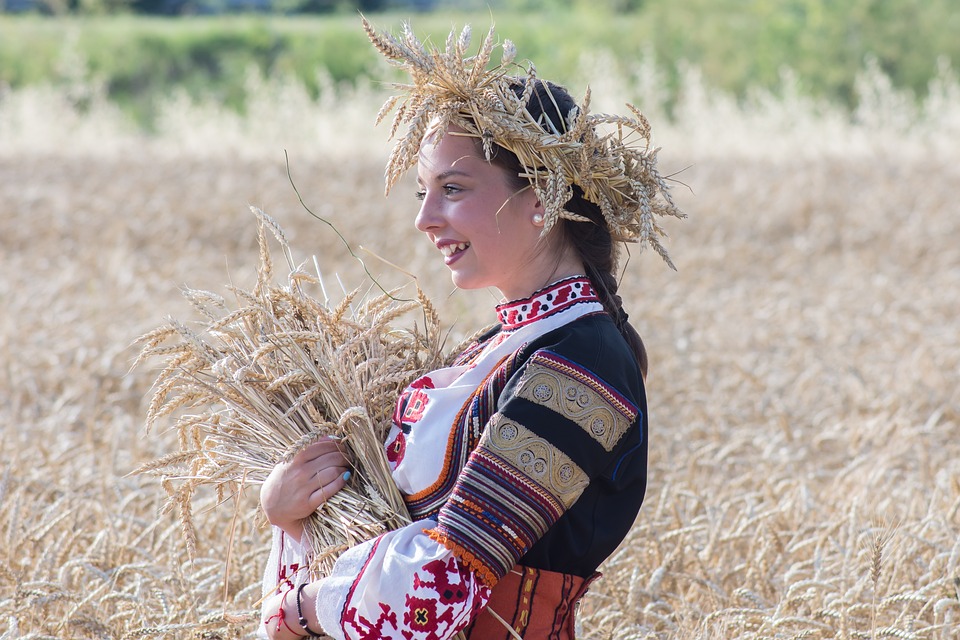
column 261, row 381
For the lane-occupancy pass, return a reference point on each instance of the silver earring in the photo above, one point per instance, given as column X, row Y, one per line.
column 538, row 219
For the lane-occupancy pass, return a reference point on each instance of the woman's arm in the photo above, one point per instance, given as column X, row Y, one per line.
column 559, row 428
column 402, row 584
column 294, row 490
column 293, row 614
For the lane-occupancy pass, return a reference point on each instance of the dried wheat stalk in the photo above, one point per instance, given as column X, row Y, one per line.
column 259, row 382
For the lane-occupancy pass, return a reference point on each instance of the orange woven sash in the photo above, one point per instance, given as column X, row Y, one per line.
column 537, row 604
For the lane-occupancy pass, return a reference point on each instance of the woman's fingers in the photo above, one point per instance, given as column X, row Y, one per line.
column 294, row 489
column 330, row 481
column 331, row 459
column 322, row 448
column 329, row 474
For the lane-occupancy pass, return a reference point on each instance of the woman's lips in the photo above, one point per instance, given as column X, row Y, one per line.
column 452, row 251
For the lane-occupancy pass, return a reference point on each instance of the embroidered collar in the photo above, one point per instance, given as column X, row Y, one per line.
column 546, row 302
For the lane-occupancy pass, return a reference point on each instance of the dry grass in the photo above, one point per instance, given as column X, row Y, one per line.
column 805, row 469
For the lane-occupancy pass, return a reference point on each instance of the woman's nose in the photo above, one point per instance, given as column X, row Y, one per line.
column 428, row 218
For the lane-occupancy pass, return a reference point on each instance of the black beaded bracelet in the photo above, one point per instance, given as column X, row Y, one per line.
column 300, row 618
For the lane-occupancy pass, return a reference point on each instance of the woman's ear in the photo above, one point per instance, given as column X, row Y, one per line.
column 537, row 207
column 538, row 212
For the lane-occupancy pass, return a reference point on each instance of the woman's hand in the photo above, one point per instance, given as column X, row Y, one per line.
column 280, row 616
column 295, row 489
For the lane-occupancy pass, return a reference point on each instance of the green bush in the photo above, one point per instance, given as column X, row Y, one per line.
column 737, row 44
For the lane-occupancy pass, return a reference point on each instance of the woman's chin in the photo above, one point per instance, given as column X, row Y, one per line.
column 464, row 280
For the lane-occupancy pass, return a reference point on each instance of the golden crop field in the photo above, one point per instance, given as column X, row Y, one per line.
column 804, row 389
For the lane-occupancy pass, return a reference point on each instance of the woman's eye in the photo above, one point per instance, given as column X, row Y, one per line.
column 448, row 190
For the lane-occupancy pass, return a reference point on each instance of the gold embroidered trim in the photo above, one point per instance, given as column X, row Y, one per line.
column 536, row 458
column 576, row 400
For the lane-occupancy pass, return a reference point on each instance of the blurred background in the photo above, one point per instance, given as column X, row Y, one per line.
column 889, row 59
column 803, row 389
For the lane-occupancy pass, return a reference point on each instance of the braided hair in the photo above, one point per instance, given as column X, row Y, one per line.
column 593, row 242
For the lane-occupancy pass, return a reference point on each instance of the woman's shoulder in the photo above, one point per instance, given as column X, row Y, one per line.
column 591, row 346
column 592, row 340
column 579, row 387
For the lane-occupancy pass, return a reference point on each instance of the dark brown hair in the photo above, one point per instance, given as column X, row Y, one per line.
column 592, row 242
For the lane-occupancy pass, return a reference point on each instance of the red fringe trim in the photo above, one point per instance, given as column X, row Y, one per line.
column 472, row 562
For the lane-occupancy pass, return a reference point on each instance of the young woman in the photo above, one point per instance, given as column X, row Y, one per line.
column 523, row 463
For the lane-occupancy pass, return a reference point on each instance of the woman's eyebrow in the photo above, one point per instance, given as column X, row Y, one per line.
column 449, row 173
column 444, row 175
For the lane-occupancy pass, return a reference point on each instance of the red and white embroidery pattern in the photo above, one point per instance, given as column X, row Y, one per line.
column 435, row 608
column 396, row 449
column 412, row 402
column 546, row 302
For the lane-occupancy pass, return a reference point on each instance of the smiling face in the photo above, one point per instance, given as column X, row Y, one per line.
column 483, row 226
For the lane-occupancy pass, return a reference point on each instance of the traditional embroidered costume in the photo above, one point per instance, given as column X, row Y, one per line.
column 524, row 465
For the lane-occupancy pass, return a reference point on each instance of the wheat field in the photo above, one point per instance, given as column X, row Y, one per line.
column 803, row 388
